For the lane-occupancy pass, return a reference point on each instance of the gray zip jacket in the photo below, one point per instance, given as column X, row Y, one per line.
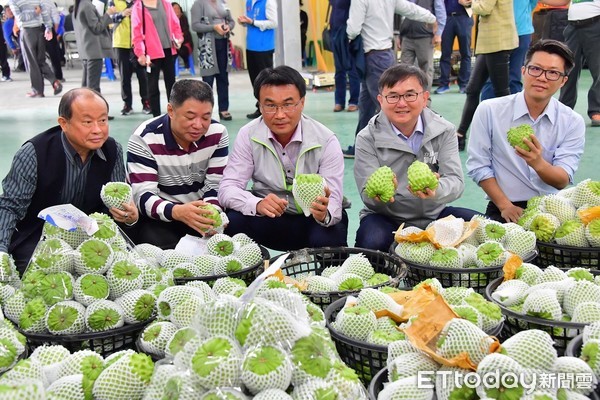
column 378, row 145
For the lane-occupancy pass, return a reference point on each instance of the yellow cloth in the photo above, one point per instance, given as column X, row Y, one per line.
column 497, row 30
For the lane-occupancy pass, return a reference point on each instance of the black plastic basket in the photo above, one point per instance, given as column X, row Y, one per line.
column 366, row 359
column 567, row 256
column 104, row 343
column 305, row 262
column 247, row 274
column 377, row 382
column 476, row 278
column 562, row 332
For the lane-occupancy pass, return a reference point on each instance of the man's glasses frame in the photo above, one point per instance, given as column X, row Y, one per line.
column 551, row 74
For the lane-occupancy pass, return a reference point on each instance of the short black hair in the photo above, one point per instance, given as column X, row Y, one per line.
column 279, row 76
column 65, row 106
column 553, row 47
column 185, row 89
column 400, row 73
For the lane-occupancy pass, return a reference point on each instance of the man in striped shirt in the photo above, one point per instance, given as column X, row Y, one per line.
column 68, row 163
column 175, row 164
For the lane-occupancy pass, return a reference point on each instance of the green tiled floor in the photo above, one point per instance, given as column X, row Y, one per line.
column 21, row 118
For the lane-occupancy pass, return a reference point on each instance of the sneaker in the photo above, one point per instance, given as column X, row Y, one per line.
column 34, row 93
column 595, row 120
column 6, row 79
column 442, row 90
column 254, row 115
column 349, row 152
column 126, row 110
column 147, row 109
column 57, row 87
column 462, row 90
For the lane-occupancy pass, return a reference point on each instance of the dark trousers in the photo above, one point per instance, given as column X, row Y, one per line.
column 167, row 66
column 4, row 56
column 517, row 59
column 222, row 78
column 165, row 235
column 376, row 231
column 184, row 53
column 493, row 212
column 34, row 48
column 127, row 67
column 585, row 43
column 53, row 50
column 456, row 27
column 256, row 61
column 376, row 61
column 341, row 72
column 493, row 66
column 288, row 232
column 92, row 71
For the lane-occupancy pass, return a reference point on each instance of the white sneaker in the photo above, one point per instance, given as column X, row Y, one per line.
column 6, row 79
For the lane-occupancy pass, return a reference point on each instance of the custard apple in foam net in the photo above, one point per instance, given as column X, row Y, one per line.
column 74, row 238
column 89, row 288
column 531, row 349
column 579, row 292
column 114, row 194
column 591, row 331
column 272, row 394
column 405, row 389
column 459, row 336
column 346, row 381
column 153, row 339
column 19, row 390
column 528, row 273
column 266, row 367
column 551, row 274
column 32, row 319
column 542, row 303
column 520, row 242
column 149, row 252
column 93, row 256
column 587, row 192
column 592, row 233
column 14, row 306
column 419, row 253
column 292, row 301
column 409, row 364
column 229, row 286
column 264, row 322
column 183, row 313
column 586, row 312
column 215, row 362
column 66, row 318
column 490, row 254
column 315, row 389
column 217, row 317
column 123, row 277
column 171, row 258
column 104, row 315
column 172, row 296
column 561, row 207
column 494, row 363
column 179, row 340
column 249, row 254
column 356, row 322
column 70, row 387
column 571, row 233
column 375, row 300
column 381, row 184
column 455, row 295
column 510, row 292
column 127, row 378
column 53, row 255
column 306, row 188
column 138, row 306
column 576, row 366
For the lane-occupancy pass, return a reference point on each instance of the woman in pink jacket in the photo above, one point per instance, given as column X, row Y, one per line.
column 156, row 35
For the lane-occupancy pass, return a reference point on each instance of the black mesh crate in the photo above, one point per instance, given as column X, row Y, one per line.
column 562, row 332
column 104, row 343
column 306, row 262
column 377, row 382
column 247, row 274
column 567, row 256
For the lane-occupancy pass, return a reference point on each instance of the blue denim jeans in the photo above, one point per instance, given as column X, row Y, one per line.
column 456, row 27
column 517, row 60
column 341, row 73
column 376, row 61
column 288, row 232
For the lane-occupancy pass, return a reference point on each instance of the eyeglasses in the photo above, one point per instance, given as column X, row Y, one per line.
column 408, row 97
column 287, row 108
column 551, row 74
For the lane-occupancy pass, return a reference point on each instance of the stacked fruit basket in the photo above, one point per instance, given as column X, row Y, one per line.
column 559, row 302
column 330, row 273
column 567, row 226
column 474, row 262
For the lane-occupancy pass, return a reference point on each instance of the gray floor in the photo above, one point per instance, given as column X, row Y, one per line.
column 22, row 118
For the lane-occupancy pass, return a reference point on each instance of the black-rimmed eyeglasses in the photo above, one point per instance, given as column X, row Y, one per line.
column 408, row 97
column 551, row 74
column 287, row 108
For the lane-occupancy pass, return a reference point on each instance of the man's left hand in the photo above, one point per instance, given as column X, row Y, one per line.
column 129, row 215
column 318, row 208
column 48, row 34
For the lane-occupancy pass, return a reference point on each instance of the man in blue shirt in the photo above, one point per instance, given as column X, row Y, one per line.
column 510, row 175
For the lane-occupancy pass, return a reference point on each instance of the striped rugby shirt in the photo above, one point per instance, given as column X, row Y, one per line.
column 162, row 174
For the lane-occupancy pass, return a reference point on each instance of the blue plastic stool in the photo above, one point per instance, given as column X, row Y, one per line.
column 108, row 70
column 190, row 61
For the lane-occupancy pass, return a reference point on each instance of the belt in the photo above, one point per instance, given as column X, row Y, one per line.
column 457, row 14
column 580, row 23
column 377, row 51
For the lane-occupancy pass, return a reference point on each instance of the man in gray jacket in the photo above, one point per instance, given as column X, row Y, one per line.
column 402, row 132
